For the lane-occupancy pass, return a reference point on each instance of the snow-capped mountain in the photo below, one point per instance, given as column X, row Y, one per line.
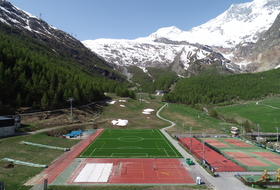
column 60, row 42
column 240, row 25
column 21, row 19
column 144, row 52
column 154, row 51
column 241, row 22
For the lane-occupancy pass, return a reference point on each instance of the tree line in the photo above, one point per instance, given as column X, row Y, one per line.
column 219, row 90
column 154, row 79
column 32, row 74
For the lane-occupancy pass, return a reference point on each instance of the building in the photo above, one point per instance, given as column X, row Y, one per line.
column 8, row 125
column 160, row 92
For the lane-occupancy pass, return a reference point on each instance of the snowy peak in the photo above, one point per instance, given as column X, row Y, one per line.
column 248, row 12
column 168, row 32
column 16, row 17
column 239, row 26
column 241, row 22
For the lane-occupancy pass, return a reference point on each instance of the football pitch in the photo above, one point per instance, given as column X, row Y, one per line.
column 130, row 143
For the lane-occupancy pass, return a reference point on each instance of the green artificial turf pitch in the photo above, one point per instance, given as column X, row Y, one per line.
column 130, row 143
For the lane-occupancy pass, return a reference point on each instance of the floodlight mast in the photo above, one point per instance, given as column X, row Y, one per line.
column 277, row 128
column 241, row 127
column 183, row 133
column 71, row 99
column 191, row 139
column 258, row 133
column 203, row 135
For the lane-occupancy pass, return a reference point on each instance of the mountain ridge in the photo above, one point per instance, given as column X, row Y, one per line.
column 61, row 42
column 239, row 26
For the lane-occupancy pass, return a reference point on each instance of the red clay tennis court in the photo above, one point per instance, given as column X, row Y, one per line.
column 214, row 159
column 215, row 143
column 268, row 156
column 238, row 143
column 147, row 171
column 246, row 159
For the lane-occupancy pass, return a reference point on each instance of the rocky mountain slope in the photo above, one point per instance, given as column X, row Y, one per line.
column 61, row 42
column 265, row 53
column 224, row 41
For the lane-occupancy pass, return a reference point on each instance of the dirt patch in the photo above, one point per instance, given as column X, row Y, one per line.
column 34, row 180
column 42, row 120
column 9, row 166
column 187, row 120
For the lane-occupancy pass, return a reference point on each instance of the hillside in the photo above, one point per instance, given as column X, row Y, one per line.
column 222, row 90
column 42, row 66
column 224, row 42
column 56, row 40
column 33, row 74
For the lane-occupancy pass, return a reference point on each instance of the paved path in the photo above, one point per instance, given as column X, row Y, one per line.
column 225, row 181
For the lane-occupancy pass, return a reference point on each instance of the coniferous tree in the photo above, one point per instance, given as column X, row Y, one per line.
column 247, row 126
column 18, row 100
column 44, row 100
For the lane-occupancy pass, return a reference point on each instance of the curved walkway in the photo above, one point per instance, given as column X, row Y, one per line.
column 225, row 181
column 257, row 103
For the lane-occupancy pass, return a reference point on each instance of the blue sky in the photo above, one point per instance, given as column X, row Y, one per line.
column 123, row 19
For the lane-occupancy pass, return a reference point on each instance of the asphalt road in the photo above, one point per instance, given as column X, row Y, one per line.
column 225, row 181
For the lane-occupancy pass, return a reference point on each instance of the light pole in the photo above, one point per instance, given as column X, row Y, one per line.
column 176, row 127
column 241, row 127
column 182, row 134
column 277, row 128
column 140, row 94
column 71, row 99
column 258, row 133
column 203, row 135
column 191, row 139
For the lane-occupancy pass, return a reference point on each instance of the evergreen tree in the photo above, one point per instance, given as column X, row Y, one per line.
column 247, row 126
column 18, row 100
column 44, row 100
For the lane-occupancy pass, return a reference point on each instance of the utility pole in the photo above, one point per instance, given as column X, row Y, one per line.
column 140, row 94
column 191, row 139
column 258, row 133
column 203, row 135
column 176, row 127
column 182, row 134
column 241, row 127
column 277, row 128
column 71, row 99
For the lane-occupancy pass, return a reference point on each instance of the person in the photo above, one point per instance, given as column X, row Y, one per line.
column 155, row 168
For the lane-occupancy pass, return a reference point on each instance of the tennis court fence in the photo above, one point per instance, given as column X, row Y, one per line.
column 197, row 151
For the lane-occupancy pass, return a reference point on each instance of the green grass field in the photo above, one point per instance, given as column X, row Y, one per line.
column 11, row 148
column 131, row 143
column 198, row 120
column 264, row 112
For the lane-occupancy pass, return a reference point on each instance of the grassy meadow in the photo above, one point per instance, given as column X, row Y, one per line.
column 133, row 113
column 265, row 112
column 15, row 177
column 186, row 117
